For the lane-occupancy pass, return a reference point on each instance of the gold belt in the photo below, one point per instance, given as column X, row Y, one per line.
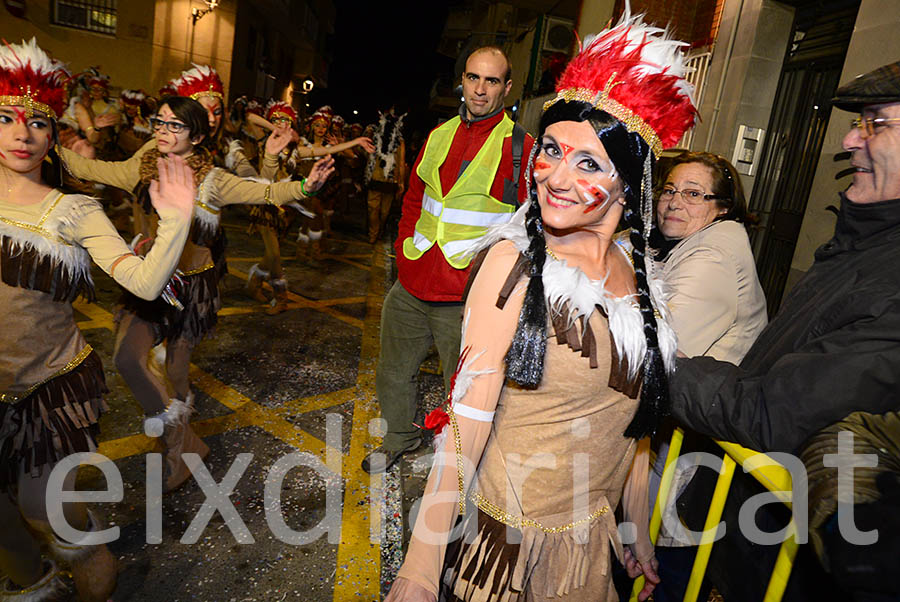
column 73, row 363
column 518, row 522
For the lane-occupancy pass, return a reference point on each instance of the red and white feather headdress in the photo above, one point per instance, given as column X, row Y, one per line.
column 30, row 78
column 198, row 81
column 93, row 77
column 278, row 109
column 635, row 72
column 324, row 113
column 132, row 97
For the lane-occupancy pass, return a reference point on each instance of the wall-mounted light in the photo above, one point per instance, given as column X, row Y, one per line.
column 308, row 85
column 197, row 14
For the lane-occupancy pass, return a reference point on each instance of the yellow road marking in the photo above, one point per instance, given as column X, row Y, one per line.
column 343, row 259
column 304, row 302
column 358, row 571
column 317, row 402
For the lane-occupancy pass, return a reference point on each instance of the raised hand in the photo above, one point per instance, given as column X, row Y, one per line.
column 321, row 171
column 106, row 120
column 278, row 140
column 366, row 143
column 175, row 187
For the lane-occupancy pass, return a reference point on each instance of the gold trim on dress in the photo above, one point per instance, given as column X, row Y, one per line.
column 202, row 268
column 38, row 228
column 73, row 363
column 210, row 208
column 459, row 463
column 518, row 522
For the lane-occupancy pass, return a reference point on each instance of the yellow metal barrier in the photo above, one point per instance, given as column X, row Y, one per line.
column 771, row 475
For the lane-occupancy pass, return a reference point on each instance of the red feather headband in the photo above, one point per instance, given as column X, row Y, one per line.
column 278, row 109
column 198, row 81
column 635, row 72
column 30, row 78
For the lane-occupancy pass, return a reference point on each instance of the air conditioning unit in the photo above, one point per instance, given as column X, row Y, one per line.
column 558, row 35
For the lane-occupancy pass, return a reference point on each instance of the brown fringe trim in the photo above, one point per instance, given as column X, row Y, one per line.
column 60, row 418
column 217, row 248
column 494, row 560
column 200, row 296
column 268, row 216
column 27, row 268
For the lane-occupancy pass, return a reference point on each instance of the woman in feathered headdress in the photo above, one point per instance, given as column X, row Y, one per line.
column 187, row 312
column 565, row 350
column 51, row 380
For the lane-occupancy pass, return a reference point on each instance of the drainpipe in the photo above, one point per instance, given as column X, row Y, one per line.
column 721, row 88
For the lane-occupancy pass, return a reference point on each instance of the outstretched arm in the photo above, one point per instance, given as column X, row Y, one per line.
column 121, row 174
column 173, row 198
column 479, row 381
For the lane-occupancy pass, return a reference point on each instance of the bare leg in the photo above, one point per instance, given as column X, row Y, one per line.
column 20, row 554
column 134, row 340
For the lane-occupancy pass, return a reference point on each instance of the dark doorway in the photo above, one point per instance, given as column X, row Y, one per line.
column 812, row 68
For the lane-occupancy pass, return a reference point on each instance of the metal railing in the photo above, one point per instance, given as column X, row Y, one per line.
column 772, row 475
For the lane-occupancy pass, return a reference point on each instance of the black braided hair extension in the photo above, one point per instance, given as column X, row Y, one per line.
column 525, row 358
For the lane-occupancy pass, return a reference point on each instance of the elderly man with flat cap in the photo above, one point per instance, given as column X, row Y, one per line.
column 834, row 346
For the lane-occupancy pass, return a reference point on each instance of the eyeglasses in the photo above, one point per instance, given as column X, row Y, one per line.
column 174, row 127
column 690, row 196
column 869, row 126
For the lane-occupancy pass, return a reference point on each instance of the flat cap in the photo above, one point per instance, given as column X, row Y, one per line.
column 875, row 87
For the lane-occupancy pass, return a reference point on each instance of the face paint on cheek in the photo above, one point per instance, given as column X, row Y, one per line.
column 597, row 194
column 541, row 165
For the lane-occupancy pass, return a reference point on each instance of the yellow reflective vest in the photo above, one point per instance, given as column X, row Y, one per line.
column 456, row 221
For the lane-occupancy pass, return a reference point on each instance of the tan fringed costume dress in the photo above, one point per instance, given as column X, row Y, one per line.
column 552, row 463
column 51, row 380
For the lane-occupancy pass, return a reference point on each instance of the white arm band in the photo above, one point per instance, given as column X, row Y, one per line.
column 461, row 409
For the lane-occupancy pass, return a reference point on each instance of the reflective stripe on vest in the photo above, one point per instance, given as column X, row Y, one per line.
column 457, row 221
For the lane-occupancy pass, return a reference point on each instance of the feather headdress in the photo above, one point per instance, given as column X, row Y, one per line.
column 132, row 97
column 278, row 109
column 198, row 81
column 30, row 78
column 94, row 77
column 635, row 72
column 324, row 113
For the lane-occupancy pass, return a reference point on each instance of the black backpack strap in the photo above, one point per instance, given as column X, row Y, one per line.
column 518, row 147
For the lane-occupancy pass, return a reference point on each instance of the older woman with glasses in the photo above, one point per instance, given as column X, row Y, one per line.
column 717, row 304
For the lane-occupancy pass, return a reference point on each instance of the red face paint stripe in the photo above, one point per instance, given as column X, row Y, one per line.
column 20, row 114
column 566, row 150
column 541, row 165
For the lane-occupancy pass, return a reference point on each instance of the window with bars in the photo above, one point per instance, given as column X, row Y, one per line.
column 91, row 15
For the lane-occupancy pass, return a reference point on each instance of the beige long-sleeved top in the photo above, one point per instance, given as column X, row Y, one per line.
column 717, row 303
column 61, row 235
column 218, row 189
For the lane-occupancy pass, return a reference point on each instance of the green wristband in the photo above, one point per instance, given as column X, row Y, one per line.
column 303, row 189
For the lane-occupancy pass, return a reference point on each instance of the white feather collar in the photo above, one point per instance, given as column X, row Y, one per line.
column 569, row 287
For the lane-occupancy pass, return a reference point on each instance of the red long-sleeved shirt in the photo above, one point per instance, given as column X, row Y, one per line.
column 431, row 278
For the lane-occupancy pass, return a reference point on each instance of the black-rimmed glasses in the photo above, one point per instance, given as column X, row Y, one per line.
column 173, row 127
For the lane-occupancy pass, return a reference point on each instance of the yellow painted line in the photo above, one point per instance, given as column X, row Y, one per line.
column 303, row 302
column 132, row 445
column 342, row 301
column 240, row 311
column 256, row 415
column 358, row 571
column 342, row 259
column 304, row 405
column 95, row 324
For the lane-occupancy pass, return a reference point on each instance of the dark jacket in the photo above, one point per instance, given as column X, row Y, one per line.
column 832, row 349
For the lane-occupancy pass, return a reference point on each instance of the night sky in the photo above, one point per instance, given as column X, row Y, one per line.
column 379, row 58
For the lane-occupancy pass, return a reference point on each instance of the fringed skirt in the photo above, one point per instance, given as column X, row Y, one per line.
column 217, row 250
column 493, row 562
column 200, row 297
column 268, row 216
column 59, row 418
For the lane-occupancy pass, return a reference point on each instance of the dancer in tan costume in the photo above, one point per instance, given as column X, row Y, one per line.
column 562, row 374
